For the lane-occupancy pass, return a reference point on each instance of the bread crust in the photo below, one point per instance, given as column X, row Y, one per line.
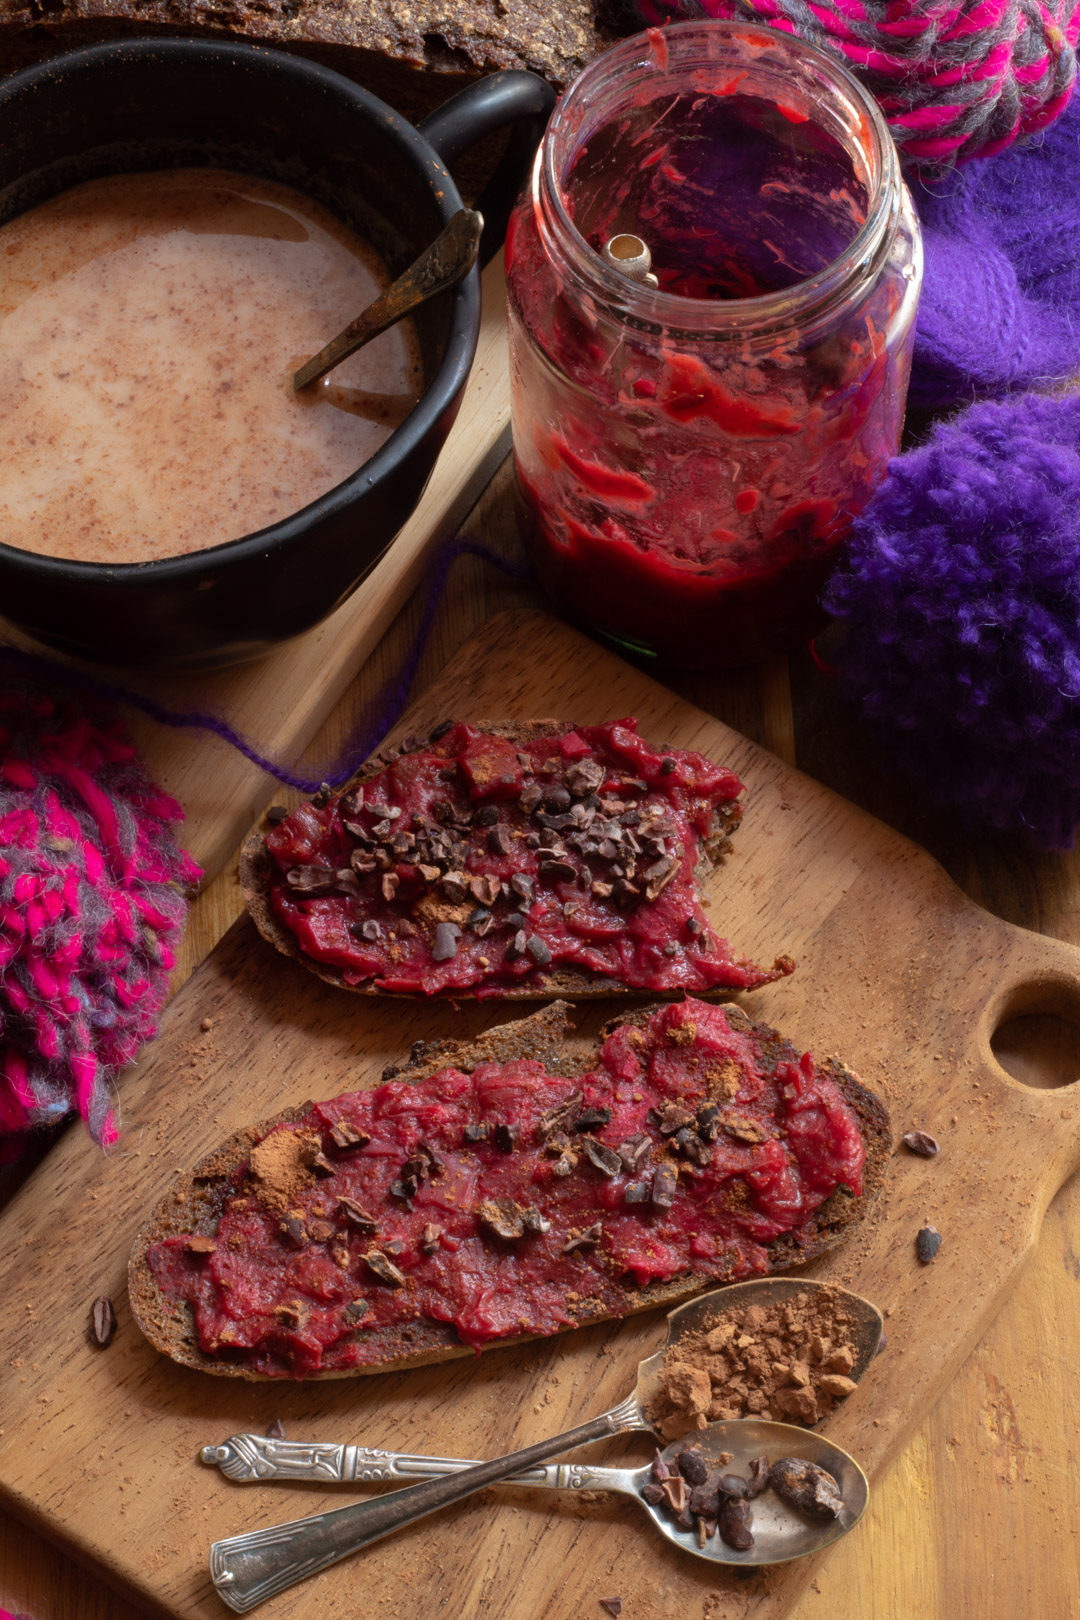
column 258, row 869
column 195, row 1205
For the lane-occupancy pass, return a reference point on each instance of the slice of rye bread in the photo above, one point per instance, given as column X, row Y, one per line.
column 414, row 54
column 258, row 870
column 195, row 1205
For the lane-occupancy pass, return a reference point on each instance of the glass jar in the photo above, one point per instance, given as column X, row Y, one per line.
column 691, row 454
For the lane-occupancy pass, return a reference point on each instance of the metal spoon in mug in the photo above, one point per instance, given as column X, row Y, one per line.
column 248, row 1568
column 450, row 257
column 780, row 1533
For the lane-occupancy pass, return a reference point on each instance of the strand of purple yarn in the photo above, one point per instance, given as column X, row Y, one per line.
column 383, row 712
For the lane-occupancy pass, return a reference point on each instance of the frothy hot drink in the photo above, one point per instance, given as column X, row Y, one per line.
column 149, row 328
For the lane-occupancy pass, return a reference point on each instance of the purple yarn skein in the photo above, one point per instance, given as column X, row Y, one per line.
column 960, row 599
column 1000, row 308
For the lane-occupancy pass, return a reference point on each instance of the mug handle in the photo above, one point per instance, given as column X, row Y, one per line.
column 511, row 97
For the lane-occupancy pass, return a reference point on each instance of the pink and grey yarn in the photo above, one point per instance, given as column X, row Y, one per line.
column 955, row 78
column 92, row 899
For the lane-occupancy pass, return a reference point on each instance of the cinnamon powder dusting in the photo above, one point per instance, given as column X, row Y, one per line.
column 789, row 1361
column 281, row 1167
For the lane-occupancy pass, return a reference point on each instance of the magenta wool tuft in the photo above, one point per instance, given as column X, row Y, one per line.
column 93, row 896
column 956, row 79
column 959, row 599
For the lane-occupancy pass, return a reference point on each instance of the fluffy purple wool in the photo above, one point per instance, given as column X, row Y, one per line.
column 960, row 599
column 1000, row 307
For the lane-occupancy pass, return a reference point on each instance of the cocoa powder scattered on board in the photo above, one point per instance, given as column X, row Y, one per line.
column 280, row 1167
column 789, row 1362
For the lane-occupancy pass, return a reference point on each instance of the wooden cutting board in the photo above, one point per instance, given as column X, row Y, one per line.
column 897, row 971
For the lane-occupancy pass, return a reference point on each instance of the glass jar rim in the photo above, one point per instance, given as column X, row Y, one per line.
column 804, row 300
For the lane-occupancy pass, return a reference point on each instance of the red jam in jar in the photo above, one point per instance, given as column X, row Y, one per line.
column 690, row 455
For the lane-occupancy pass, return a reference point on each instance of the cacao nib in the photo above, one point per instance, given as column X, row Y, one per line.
column 537, row 949
column 921, row 1143
column 357, row 1216
column 807, row 1487
column 708, row 1121
column 346, row 1138
column 477, row 1133
column 102, row 1321
column 384, row 1268
column 293, row 1230
column 429, row 1238
column 355, row 1311
column 312, row 880
column 584, row 1240
column 501, row 1217
column 637, row 1192
column 927, row 1243
column 633, row 1151
column 664, row 1184
column 276, row 1431
column 704, row 1501
column 690, row 1461
column 605, row 1159
column 591, row 1119
column 276, row 813
column 759, row 1477
column 446, row 942
column 505, row 1135
column 733, row 1522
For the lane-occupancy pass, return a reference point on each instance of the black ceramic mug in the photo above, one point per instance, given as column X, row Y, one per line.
column 153, row 104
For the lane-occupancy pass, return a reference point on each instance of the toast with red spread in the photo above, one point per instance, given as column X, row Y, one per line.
column 508, row 1189
column 508, row 861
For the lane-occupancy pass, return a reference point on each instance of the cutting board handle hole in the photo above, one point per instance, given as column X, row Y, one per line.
column 1037, row 1037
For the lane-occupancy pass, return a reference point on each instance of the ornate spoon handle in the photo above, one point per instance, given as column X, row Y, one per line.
column 246, row 1569
column 251, row 1458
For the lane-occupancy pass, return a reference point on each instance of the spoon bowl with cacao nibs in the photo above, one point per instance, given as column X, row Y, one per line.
column 746, row 1492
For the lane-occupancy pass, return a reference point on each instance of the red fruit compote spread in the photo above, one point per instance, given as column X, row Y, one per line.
column 472, row 863
column 512, row 1201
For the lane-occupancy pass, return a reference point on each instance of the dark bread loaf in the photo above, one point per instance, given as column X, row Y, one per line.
column 412, row 53
column 261, row 876
column 197, row 1205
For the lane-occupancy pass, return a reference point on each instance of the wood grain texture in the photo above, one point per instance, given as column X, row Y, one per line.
column 279, row 701
column 898, row 972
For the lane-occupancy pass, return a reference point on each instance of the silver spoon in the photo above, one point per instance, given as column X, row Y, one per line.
column 248, row 1568
column 450, row 256
column 780, row 1533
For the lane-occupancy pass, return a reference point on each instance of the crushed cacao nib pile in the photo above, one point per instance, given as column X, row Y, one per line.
column 712, row 1499
column 510, row 1201
column 788, row 1361
column 470, row 862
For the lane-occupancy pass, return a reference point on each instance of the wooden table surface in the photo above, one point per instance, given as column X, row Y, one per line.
column 976, row 1521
